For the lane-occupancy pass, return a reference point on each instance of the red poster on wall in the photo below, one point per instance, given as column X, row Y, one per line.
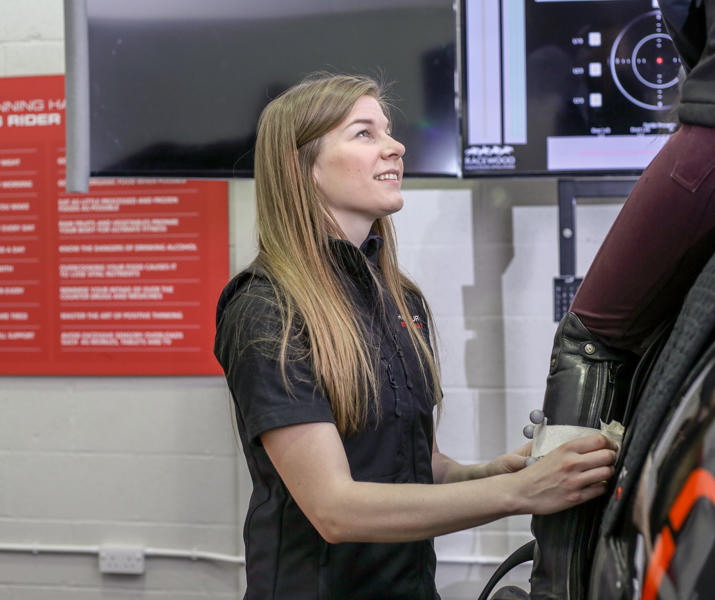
column 122, row 280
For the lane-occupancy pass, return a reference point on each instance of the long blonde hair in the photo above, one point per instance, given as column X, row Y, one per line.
column 294, row 228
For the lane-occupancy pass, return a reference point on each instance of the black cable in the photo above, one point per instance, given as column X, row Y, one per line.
column 519, row 556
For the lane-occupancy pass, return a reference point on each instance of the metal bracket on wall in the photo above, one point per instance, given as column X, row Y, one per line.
column 569, row 190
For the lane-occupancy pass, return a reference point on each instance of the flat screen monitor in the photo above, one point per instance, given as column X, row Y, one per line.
column 176, row 86
column 565, row 86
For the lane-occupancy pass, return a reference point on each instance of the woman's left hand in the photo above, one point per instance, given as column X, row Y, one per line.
column 446, row 470
column 509, row 463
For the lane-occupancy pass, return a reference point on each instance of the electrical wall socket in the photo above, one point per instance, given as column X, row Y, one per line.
column 125, row 560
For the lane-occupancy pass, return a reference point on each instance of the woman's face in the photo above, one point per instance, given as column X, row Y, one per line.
column 358, row 170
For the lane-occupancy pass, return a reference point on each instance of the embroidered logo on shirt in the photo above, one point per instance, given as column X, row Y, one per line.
column 416, row 321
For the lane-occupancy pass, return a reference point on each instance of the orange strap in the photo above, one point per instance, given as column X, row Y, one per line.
column 700, row 484
column 662, row 555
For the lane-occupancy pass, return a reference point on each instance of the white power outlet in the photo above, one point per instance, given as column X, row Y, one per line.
column 125, row 560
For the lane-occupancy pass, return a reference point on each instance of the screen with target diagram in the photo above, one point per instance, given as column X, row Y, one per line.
column 565, row 86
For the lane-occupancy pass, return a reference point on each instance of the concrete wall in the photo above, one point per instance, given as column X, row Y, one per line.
column 152, row 461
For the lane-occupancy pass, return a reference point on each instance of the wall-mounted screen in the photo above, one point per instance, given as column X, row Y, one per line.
column 176, row 86
column 565, row 86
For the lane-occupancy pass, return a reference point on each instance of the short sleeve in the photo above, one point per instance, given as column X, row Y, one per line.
column 247, row 346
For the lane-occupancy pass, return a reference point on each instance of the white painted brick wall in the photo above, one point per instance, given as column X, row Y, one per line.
column 152, row 461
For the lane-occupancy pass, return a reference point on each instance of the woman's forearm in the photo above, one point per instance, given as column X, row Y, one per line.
column 312, row 464
column 448, row 470
column 386, row 512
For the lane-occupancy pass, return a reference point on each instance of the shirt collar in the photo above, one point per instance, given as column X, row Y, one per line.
column 348, row 254
column 371, row 247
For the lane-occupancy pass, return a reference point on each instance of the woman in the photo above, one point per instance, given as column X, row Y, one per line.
column 325, row 346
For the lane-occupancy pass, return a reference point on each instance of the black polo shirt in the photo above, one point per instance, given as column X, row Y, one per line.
column 286, row 558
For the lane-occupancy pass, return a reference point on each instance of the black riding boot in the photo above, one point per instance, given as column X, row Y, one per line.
column 587, row 383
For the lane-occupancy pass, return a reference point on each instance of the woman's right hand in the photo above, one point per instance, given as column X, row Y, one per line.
column 574, row 472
